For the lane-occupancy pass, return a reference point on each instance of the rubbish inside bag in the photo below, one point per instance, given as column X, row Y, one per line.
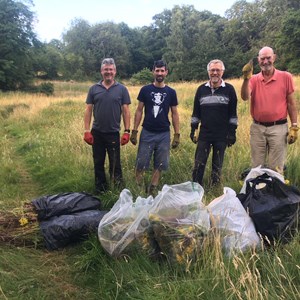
column 232, row 222
column 173, row 224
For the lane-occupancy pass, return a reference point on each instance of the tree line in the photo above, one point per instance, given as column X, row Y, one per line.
column 187, row 39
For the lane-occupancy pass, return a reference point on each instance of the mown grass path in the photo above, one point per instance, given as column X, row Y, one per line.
column 28, row 272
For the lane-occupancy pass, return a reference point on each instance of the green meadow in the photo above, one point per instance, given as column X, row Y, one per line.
column 43, row 152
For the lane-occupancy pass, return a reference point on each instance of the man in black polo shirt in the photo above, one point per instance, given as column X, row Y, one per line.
column 215, row 110
column 107, row 101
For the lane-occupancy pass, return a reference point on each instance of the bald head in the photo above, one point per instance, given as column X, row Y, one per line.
column 267, row 50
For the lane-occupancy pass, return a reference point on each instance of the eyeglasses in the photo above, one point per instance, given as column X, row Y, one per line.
column 215, row 70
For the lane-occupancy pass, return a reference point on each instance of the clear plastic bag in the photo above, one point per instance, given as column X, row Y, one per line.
column 179, row 222
column 231, row 220
column 124, row 223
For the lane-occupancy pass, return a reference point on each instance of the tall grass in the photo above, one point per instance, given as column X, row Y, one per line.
column 42, row 152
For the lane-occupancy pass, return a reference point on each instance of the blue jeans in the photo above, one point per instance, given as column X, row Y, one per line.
column 156, row 144
column 201, row 156
column 110, row 143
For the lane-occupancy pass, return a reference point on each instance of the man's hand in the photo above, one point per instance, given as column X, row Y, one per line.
column 231, row 139
column 293, row 134
column 133, row 138
column 248, row 70
column 193, row 136
column 125, row 138
column 88, row 138
column 176, row 140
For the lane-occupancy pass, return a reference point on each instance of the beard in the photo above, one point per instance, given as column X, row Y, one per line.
column 159, row 79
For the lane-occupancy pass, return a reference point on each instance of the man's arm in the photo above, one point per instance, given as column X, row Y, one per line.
column 245, row 90
column 175, row 118
column 138, row 115
column 292, row 108
column 126, row 116
column 88, row 116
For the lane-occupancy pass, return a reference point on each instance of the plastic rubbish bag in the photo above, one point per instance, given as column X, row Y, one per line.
column 274, row 207
column 255, row 172
column 179, row 222
column 231, row 220
column 60, row 231
column 64, row 204
column 124, row 224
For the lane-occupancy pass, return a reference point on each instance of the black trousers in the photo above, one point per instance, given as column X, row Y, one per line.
column 106, row 143
column 201, row 156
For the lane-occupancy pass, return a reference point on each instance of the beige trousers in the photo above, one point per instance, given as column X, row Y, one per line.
column 269, row 146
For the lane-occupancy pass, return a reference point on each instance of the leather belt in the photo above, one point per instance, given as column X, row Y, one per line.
column 268, row 124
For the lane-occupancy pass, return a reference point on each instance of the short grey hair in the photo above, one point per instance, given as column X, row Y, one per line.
column 216, row 61
column 108, row 61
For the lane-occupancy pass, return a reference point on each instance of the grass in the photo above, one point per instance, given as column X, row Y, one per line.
column 43, row 153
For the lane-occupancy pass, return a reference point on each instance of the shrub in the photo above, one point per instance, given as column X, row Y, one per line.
column 143, row 77
column 46, row 88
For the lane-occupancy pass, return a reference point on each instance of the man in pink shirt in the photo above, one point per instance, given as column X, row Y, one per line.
column 271, row 93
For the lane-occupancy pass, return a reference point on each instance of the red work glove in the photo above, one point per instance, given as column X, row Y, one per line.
column 125, row 138
column 88, row 138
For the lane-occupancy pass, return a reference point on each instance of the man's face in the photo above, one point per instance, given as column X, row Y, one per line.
column 215, row 72
column 108, row 73
column 266, row 59
column 160, row 74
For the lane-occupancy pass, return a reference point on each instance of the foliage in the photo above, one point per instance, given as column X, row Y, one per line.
column 183, row 36
column 17, row 37
column 145, row 76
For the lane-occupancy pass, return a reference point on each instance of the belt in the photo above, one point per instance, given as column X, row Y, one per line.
column 268, row 124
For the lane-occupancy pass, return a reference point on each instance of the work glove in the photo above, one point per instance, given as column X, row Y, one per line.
column 193, row 136
column 231, row 136
column 231, row 139
column 125, row 138
column 88, row 138
column 293, row 134
column 248, row 70
column 176, row 140
column 133, row 138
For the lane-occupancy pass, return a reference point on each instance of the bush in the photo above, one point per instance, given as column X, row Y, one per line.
column 143, row 77
column 46, row 88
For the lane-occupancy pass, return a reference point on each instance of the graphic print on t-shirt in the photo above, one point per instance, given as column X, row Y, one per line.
column 158, row 99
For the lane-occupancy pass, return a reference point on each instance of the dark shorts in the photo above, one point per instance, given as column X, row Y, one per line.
column 156, row 144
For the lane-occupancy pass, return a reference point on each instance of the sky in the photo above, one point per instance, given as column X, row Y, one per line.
column 53, row 17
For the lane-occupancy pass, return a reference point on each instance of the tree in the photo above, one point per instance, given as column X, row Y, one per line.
column 48, row 60
column 17, row 38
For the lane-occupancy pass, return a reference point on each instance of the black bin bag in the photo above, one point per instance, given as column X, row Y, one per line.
column 63, row 230
column 273, row 206
column 64, row 204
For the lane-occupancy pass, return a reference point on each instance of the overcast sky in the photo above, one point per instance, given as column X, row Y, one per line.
column 54, row 16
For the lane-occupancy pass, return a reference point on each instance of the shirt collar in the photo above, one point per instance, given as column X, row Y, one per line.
column 222, row 84
column 274, row 77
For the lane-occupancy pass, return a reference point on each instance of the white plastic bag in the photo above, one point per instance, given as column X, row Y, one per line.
column 254, row 172
column 230, row 218
column 124, row 223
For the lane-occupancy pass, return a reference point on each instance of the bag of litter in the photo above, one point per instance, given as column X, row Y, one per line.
column 231, row 221
column 273, row 206
column 179, row 222
column 63, row 230
column 124, row 224
column 64, row 204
